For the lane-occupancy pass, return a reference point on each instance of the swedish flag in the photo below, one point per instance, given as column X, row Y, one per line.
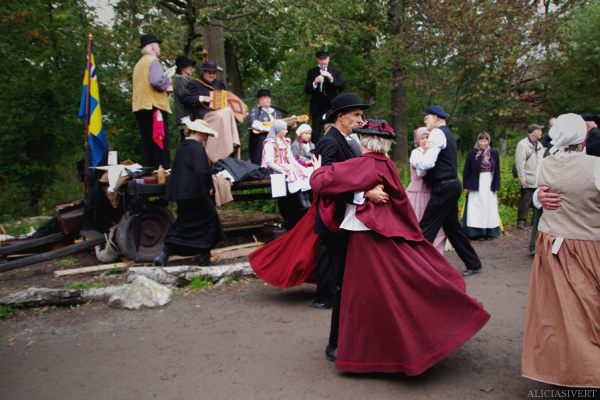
column 92, row 114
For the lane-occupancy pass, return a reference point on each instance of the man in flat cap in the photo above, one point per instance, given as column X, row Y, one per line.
column 528, row 156
column 322, row 83
column 592, row 141
column 150, row 104
column 439, row 165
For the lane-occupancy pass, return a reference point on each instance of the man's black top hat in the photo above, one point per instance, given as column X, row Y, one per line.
column 183, row 61
column 322, row 54
column 263, row 92
column 343, row 103
column 147, row 39
column 376, row 127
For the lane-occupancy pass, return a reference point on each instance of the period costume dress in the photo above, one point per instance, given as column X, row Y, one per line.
column 404, row 307
column 256, row 140
column 561, row 343
column 223, row 121
column 418, row 194
column 302, row 151
column 277, row 155
column 481, row 176
column 197, row 228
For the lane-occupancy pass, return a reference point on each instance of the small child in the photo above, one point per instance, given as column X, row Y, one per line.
column 303, row 148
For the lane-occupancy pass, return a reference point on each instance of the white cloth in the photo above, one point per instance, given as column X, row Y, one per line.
column 568, row 129
column 430, row 157
column 482, row 211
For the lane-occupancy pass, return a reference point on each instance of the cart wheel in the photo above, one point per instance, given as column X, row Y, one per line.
column 154, row 225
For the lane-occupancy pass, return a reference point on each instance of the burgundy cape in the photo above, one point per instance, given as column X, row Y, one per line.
column 404, row 306
column 289, row 260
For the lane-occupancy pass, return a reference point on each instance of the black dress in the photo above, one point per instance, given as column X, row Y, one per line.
column 197, row 228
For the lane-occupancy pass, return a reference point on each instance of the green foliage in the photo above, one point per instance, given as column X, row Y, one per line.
column 114, row 271
column 7, row 310
column 196, row 283
column 87, row 285
column 67, row 261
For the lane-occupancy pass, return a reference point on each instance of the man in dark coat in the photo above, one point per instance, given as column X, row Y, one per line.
column 347, row 111
column 440, row 162
column 197, row 229
column 197, row 91
column 257, row 131
column 322, row 83
column 592, row 142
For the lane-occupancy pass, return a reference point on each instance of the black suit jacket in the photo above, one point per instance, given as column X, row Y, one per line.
column 320, row 102
column 332, row 148
column 592, row 146
column 194, row 89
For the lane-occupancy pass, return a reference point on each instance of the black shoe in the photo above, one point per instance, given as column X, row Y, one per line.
column 303, row 200
column 470, row 272
column 330, row 353
column 322, row 306
column 161, row 259
column 204, row 260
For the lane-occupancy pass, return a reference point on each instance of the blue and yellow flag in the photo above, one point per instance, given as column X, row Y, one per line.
column 96, row 137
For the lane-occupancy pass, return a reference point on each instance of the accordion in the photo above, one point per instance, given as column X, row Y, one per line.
column 222, row 98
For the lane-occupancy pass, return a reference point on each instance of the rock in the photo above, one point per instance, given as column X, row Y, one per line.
column 141, row 292
column 173, row 275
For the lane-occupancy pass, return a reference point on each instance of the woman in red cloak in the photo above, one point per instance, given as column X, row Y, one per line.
column 404, row 307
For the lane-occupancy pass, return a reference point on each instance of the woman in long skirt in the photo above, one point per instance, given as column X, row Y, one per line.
column 404, row 307
column 481, row 182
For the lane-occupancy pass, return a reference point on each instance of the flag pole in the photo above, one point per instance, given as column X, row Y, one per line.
column 87, row 156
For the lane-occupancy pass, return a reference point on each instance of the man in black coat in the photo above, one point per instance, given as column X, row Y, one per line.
column 197, row 91
column 322, row 83
column 346, row 114
column 592, row 142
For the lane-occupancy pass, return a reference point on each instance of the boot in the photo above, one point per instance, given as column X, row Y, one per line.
column 204, row 260
column 303, row 200
column 161, row 259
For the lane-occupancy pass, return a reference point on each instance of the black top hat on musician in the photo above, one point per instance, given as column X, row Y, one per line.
column 344, row 103
column 147, row 39
column 210, row 66
column 263, row 92
column 182, row 62
column 376, row 127
column 322, row 54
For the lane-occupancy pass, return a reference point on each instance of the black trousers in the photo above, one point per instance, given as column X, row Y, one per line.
column 316, row 128
column 326, row 279
column 152, row 155
column 442, row 211
column 336, row 246
column 255, row 146
column 525, row 203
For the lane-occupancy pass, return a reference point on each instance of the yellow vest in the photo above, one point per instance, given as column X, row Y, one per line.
column 145, row 96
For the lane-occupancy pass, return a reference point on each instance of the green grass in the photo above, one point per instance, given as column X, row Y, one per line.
column 196, row 283
column 6, row 311
column 87, row 285
column 67, row 261
column 114, row 271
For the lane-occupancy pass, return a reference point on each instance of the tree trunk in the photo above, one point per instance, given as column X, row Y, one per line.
column 234, row 79
column 214, row 43
column 369, row 86
column 399, row 104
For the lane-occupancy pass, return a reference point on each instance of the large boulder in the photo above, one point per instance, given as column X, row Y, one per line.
column 141, row 292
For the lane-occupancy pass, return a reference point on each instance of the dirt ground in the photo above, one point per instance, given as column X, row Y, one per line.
column 249, row 340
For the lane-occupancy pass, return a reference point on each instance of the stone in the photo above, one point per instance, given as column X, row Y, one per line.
column 141, row 292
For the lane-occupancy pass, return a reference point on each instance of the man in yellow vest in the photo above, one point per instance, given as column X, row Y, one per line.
column 150, row 104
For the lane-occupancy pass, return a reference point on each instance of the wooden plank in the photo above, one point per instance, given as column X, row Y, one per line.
column 93, row 268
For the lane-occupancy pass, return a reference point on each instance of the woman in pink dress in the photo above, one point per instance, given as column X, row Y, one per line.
column 417, row 191
column 277, row 156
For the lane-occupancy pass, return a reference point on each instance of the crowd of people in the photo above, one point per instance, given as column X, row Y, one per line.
column 376, row 250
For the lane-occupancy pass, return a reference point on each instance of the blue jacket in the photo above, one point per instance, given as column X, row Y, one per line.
column 473, row 168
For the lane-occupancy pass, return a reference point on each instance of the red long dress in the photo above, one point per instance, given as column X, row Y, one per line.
column 289, row 260
column 404, row 307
